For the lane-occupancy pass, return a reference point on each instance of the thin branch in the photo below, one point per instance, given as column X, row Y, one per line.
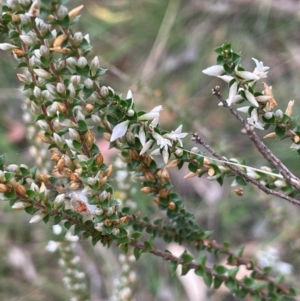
column 262, row 148
column 197, row 139
column 193, row 266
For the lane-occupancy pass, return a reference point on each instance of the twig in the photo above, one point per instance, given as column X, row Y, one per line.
column 197, row 139
column 262, row 148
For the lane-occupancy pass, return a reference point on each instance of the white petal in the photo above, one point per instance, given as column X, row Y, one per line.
column 247, row 75
column 215, row 70
column 142, row 136
column 165, row 154
column 119, row 130
column 232, row 93
column 226, row 78
column 251, row 98
column 7, row 46
column 146, row 147
column 129, row 94
column 243, row 109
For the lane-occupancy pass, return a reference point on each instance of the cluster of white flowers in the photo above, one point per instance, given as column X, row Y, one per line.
column 241, row 81
column 164, row 142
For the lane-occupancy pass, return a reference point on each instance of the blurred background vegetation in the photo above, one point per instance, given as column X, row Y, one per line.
column 158, row 49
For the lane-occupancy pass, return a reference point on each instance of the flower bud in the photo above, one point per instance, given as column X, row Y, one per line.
column 58, row 140
column 14, row 168
column 195, row 150
column 71, row 62
column 268, row 115
column 104, row 92
column 81, row 62
column 42, row 73
column 74, row 135
column 24, row 19
column 46, row 95
column 278, row 115
column 37, row 93
column 61, row 12
column 58, row 201
column 103, row 196
column 95, row 64
column 43, row 125
column 171, row 206
column 36, row 218
column 99, row 227
column 99, row 159
column 61, row 88
column 20, row 205
column 60, row 65
column 98, row 211
column 88, row 83
column 130, row 113
column 51, row 110
column 78, row 37
column 75, row 80
column 111, row 210
column 45, row 52
column 51, row 89
column 116, row 231
column 72, row 92
column 29, row 40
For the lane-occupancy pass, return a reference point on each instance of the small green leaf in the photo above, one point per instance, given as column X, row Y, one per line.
column 148, row 245
column 184, row 270
column 208, row 280
column 82, row 126
column 136, row 235
column 57, row 219
column 232, row 272
column 46, row 218
column 221, row 270
column 280, row 132
column 173, row 267
column 8, row 176
column 67, row 225
column 201, row 260
column 187, row 258
column 137, row 253
column 192, row 167
column 217, row 282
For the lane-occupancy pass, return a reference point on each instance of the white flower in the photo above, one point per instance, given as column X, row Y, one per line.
column 214, row 70
column 251, row 98
column 154, row 113
column 163, row 144
column 119, row 130
column 234, row 100
column 154, row 122
column 260, row 70
column 254, row 123
column 146, row 147
column 176, row 135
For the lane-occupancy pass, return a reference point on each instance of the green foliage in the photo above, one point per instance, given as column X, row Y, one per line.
column 69, row 103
